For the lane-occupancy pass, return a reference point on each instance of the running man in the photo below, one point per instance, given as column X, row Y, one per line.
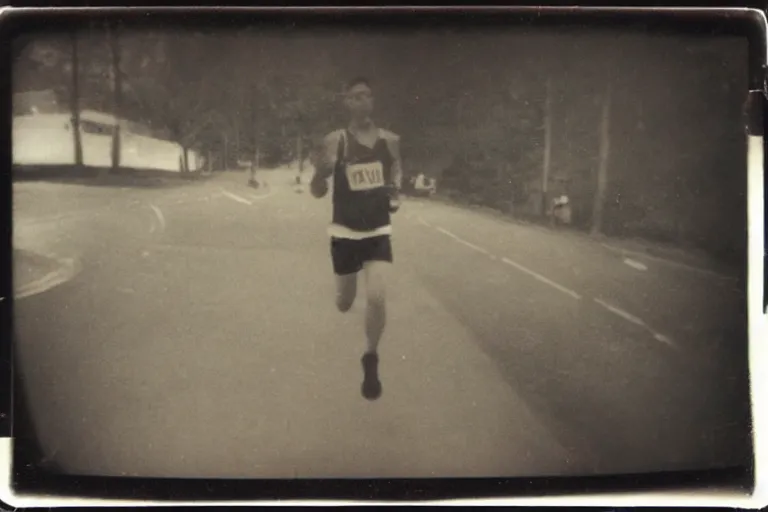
column 364, row 163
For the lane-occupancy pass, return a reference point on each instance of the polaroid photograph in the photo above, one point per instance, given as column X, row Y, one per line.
column 393, row 254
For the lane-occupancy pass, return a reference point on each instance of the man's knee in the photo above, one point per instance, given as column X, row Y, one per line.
column 376, row 289
column 346, row 291
column 344, row 304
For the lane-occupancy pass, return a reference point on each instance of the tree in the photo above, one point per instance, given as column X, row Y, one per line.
column 547, row 149
column 171, row 93
column 117, row 93
column 602, row 170
column 74, row 98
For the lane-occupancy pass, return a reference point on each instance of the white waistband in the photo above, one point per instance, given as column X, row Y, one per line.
column 339, row 231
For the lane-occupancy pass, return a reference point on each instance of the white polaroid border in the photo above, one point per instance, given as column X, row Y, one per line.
column 758, row 365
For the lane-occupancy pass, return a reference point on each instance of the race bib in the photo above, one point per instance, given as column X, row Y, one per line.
column 367, row 176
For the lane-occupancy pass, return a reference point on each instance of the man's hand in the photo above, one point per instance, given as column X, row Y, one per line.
column 319, row 186
column 394, row 199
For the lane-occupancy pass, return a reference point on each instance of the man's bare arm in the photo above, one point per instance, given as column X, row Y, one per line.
column 324, row 165
column 393, row 141
column 327, row 155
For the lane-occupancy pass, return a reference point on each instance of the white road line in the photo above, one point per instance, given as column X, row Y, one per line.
column 672, row 263
column 637, row 321
column 464, row 242
column 262, row 196
column 635, row 264
column 193, row 200
column 620, row 312
column 541, row 278
column 68, row 270
column 518, row 266
column 235, row 197
column 421, row 219
column 160, row 216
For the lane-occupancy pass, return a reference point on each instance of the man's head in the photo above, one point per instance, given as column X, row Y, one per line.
column 358, row 98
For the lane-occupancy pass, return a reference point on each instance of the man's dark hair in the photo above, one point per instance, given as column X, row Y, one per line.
column 359, row 80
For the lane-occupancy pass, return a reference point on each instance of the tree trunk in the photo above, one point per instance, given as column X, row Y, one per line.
column 237, row 141
column 117, row 94
column 545, row 170
column 185, row 159
column 226, row 152
column 75, row 100
column 602, row 170
column 461, row 131
column 255, row 162
column 298, row 153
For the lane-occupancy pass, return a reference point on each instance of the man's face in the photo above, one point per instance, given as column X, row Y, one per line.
column 359, row 101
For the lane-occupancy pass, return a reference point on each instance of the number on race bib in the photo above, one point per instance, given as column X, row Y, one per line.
column 367, row 176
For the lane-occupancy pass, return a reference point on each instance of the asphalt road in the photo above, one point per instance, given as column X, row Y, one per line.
column 194, row 334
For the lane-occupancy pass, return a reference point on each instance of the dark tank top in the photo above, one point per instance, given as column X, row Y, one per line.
column 360, row 184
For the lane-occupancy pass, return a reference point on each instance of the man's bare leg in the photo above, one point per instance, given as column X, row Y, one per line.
column 376, row 307
column 375, row 321
column 346, row 291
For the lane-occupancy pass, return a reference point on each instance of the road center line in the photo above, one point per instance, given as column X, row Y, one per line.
column 620, row 312
column 160, row 216
column 627, row 252
column 464, row 242
column 541, row 278
column 528, row 271
column 635, row 264
column 637, row 321
column 235, row 197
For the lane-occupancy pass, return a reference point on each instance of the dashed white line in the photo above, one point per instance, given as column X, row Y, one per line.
column 635, row 264
column 159, row 215
column 620, row 312
column 237, row 198
column 518, row 266
column 541, row 278
column 613, row 309
column 669, row 262
column 464, row 242
column 637, row 321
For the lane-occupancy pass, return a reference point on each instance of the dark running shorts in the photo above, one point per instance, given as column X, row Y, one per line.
column 348, row 256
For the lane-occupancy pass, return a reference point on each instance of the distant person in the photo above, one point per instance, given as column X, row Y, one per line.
column 561, row 211
column 364, row 163
column 423, row 185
